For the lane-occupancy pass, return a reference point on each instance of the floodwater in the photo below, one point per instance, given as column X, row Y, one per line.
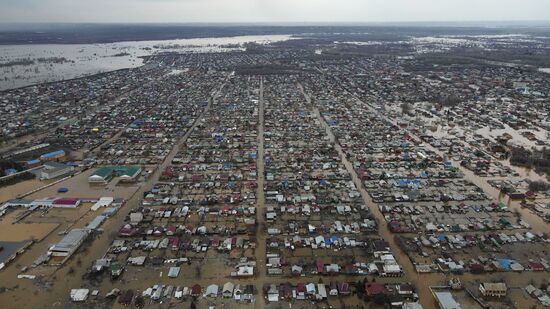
column 424, row 281
column 54, row 62
column 517, row 138
column 15, row 190
column 9, row 248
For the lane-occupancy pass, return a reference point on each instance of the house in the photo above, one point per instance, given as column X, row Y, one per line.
column 320, row 267
column 173, row 272
column 285, row 291
column 343, row 288
column 321, row 291
column 137, row 261
column 127, row 231
column 245, row 271
column 273, row 293
column 136, row 217
column 296, row 270
column 489, row 289
column 373, row 289
column 536, row 266
column 211, row 291
column 196, row 290
column 227, row 290
column 79, row 295
column 310, row 289
column 248, row 293
column 300, row 291
column 237, row 292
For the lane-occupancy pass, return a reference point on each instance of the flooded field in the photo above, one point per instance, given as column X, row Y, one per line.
column 13, row 191
column 23, row 65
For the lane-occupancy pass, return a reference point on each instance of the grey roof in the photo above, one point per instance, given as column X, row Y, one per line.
column 19, row 202
column 446, row 300
column 55, row 165
column 72, row 240
column 96, row 222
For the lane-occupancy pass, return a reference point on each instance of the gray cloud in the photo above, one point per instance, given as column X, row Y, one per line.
column 271, row 10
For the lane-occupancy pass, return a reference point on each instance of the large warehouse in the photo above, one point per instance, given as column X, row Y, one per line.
column 107, row 173
column 68, row 245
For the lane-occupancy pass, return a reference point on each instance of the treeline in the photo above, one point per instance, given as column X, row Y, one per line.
column 17, row 178
column 8, row 164
column 537, row 159
column 28, row 61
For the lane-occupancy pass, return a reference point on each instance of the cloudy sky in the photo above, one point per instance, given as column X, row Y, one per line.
column 272, row 10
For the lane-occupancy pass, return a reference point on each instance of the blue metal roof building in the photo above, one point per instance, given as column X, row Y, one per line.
column 53, row 154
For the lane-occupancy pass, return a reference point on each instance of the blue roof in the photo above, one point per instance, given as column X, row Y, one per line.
column 404, row 182
column 53, row 153
column 35, row 161
column 10, row 171
column 505, row 263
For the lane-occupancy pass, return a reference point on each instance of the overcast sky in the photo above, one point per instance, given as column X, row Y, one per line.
column 271, row 10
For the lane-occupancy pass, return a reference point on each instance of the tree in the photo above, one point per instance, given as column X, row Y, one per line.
column 359, row 288
column 139, row 302
column 538, row 186
column 406, row 108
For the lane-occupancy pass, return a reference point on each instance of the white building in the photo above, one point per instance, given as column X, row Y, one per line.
column 53, row 170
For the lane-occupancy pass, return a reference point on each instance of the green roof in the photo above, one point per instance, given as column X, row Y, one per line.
column 108, row 171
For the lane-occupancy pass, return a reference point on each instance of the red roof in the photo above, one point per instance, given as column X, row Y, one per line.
column 66, row 201
column 175, row 242
column 373, row 288
column 343, row 288
column 536, row 266
column 320, row 267
column 196, row 290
